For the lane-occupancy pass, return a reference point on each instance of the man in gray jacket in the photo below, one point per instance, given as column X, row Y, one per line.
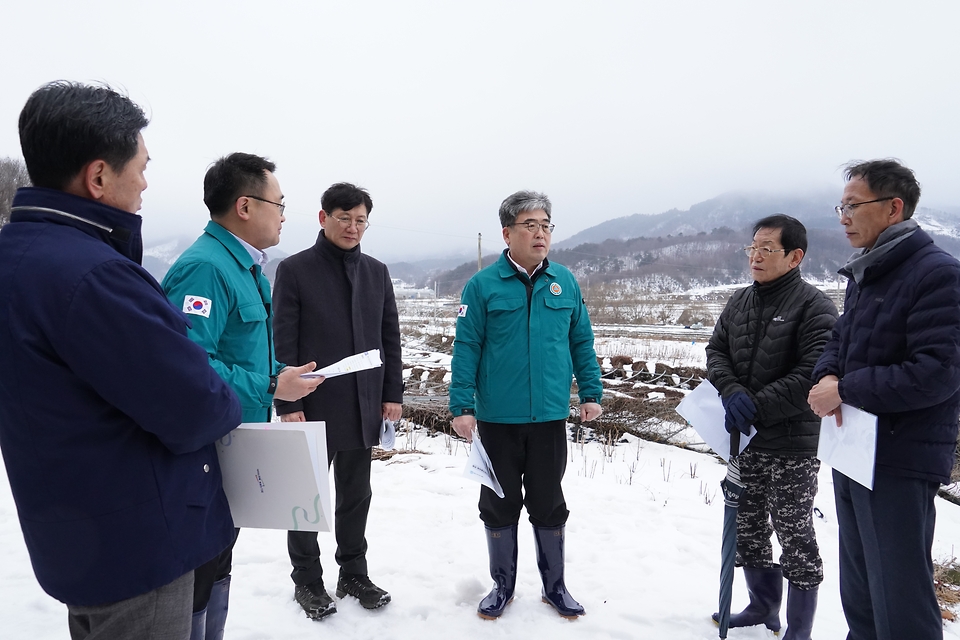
column 760, row 359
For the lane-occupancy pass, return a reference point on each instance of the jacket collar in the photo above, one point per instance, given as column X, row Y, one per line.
column 231, row 244
column 119, row 229
column 784, row 282
column 507, row 270
column 333, row 252
column 890, row 260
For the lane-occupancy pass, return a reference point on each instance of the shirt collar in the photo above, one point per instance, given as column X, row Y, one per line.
column 259, row 257
column 521, row 269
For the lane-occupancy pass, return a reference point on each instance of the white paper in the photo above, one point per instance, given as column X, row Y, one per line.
column 479, row 467
column 704, row 411
column 275, row 475
column 852, row 448
column 350, row 364
column 388, row 435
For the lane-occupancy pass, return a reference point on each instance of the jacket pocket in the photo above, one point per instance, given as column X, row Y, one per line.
column 252, row 311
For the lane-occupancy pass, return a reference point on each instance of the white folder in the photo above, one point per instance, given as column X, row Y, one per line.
column 852, row 448
column 275, row 475
column 703, row 409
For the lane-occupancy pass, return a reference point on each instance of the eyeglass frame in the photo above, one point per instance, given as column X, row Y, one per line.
column 277, row 204
column 348, row 222
column 842, row 209
column 766, row 252
column 531, row 226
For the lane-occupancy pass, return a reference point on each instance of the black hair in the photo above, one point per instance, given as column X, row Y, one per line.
column 346, row 196
column 232, row 176
column 888, row 178
column 793, row 235
column 66, row 125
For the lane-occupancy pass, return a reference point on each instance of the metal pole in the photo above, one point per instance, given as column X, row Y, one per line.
column 479, row 258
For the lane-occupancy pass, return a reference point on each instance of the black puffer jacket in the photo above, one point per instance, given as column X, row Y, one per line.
column 766, row 343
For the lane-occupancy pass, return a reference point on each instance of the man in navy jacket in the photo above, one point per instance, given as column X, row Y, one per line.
column 108, row 411
column 895, row 352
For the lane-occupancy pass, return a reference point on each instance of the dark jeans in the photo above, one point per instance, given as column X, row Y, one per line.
column 351, row 478
column 886, row 568
column 779, row 498
column 161, row 614
column 529, row 461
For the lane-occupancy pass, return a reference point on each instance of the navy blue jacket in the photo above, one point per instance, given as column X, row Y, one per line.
column 108, row 411
column 896, row 350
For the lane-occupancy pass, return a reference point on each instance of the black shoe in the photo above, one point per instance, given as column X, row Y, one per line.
column 359, row 586
column 314, row 600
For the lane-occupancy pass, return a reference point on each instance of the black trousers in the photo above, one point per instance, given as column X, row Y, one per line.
column 351, row 479
column 886, row 567
column 529, row 461
column 209, row 572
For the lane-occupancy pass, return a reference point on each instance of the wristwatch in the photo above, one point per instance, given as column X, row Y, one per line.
column 272, row 387
column 467, row 412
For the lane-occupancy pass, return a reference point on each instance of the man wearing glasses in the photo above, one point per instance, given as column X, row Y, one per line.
column 522, row 334
column 219, row 284
column 760, row 358
column 895, row 353
column 332, row 301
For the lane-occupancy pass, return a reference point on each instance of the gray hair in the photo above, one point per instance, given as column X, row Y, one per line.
column 522, row 201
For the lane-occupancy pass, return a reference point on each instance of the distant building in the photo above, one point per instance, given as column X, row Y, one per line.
column 403, row 291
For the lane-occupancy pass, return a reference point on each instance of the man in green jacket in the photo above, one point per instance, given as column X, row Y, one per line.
column 219, row 283
column 522, row 334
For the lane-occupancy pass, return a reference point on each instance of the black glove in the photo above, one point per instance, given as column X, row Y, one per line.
column 740, row 412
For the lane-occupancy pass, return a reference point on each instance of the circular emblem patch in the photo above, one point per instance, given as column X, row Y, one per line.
column 555, row 289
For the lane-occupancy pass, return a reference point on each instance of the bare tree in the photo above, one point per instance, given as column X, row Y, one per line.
column 13, row 175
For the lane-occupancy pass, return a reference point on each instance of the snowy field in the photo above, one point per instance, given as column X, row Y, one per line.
column 643, row 547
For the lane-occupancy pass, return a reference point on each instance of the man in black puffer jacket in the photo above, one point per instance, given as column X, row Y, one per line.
column 894, row 353
column 761, row 359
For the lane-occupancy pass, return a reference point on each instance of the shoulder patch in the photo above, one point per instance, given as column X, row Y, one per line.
column 197, row 306
column 462, row 312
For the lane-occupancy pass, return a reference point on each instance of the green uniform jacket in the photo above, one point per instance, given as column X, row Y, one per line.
column 236, row 326
column 515, row 354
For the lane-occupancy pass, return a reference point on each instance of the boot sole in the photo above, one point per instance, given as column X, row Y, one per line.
column 486, row 617
column 385, row 600
column 716, row 623
column 563, row 615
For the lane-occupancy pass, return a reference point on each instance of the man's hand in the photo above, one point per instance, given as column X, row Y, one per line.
column 825, row 398
column 740, row 412
column 296, row 416
column 464, row 426
column 291, row 387
column 590, row 411
column 392, row 411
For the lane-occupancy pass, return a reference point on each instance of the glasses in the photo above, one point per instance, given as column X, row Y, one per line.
column 346, row 222
column 763, row 251
column 282, row 206
column 847, row 209
column 532, row 226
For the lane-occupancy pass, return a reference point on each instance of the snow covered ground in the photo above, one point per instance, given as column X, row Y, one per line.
column 643, row 547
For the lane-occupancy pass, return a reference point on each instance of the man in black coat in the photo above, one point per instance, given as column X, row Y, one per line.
column 332, row 301
column 760, row 359
column 895, row 353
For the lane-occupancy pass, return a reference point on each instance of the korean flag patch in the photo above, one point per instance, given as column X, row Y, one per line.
column 197, row 306
column 462, row 313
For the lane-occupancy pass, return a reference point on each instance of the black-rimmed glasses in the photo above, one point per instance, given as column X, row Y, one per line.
column 532, row 226
column 847, row 209
column 278, row 204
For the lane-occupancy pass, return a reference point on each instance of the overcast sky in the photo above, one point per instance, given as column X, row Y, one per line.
column 442, row 109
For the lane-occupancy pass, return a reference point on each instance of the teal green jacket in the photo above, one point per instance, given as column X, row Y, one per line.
column 227, row 300
column 516, row 353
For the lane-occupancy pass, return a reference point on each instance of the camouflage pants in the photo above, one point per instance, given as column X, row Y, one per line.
column 779, row 498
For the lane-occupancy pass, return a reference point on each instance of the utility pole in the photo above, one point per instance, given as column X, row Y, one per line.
column 479, row 258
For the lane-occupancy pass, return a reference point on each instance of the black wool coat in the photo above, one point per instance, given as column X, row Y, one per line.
column 330, row 304
column 766, row 343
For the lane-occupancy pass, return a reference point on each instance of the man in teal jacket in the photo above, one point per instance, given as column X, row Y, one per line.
column 522, row 334
column 219, row 283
